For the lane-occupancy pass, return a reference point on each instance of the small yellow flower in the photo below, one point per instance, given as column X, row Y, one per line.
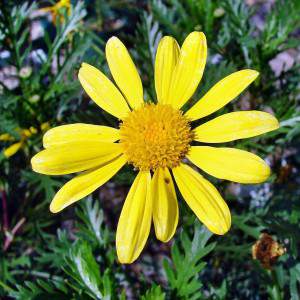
column 25, row 134
column 12, row 149
column 155, row 138
column 56, row 10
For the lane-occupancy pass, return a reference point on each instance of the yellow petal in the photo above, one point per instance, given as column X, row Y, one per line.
column 74, row 157
column 166, row 59
column 6, row 137
column 165, row 206
column 235, row 125
column 229, row 163
column 102, row 91
column 79, row 132
column 26, row 133
column 189, row 69
column 203, row 198
column 124, row 72
column 221, row 93
column 135, row 220
column 85, row 183
column 12, row 150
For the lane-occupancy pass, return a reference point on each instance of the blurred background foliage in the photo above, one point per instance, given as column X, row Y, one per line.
column 72, row 255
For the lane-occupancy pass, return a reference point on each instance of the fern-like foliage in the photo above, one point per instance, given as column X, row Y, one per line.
column 83, row 268
column 183, row 272
column 154, row 293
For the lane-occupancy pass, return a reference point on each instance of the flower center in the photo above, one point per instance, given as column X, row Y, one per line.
column 155, row 136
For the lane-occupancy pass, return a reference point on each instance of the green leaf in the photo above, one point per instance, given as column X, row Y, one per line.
column 86, row 267
column 154, row 293
column 184, row 269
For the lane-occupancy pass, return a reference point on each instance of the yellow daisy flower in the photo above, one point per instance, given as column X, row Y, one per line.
column 155, row 138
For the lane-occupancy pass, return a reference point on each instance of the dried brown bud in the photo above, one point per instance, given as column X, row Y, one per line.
column 267, row 250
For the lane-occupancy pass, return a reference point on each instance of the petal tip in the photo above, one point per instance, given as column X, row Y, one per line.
column 222, row 228
column 202, row 35
column 80, row 74
column 163, row 238
column 84, row 64
column 58, row 204
column 113, row 40
column 253, row 73
column 266, row 174
column 83, row 68
column 35, row 160
column 166, row 39
column 276, row 123
column 223, row 231
column 198, row 35
column 162, row 234
column 124, row 258
column 53, row 208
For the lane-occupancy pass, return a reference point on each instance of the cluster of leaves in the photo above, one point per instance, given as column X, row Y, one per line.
column 83, row 266
column 72, row 256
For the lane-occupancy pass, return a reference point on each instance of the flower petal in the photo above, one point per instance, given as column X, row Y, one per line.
column 74, row 157
column 235, row 125
column 189, row 69
column 12, row 150
column 102, row 91
column 85, row 183
column 79, row 132
column 166, row 59
column 6, row 137
column 135, row 220
column 124, row 72
column 203, row 198
column 165, row 206
column 221, row 93
column 229, row 163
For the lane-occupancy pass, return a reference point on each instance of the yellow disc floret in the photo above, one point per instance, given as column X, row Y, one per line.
column 155, row 136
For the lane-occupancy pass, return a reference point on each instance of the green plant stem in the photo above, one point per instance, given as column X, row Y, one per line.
column 276, row 286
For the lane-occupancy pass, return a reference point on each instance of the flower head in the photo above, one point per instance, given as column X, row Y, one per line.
column 155, row 136
column 267, row 250
column 155, row 139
